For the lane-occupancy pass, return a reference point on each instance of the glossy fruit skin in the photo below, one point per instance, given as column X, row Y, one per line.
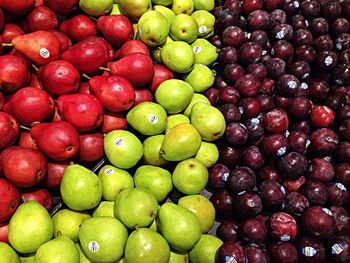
column 283, row 252
column 272, row 193
column 248, row 203
column 319, row 222
column 223, row 203
column 10, row 201
column 227, row 230
column 311, row 250
column 9, row 129
column 241, row 179
column 283, row 227
column 292, row 165
column 253, row 230
column 40, row 195
column 231, row 250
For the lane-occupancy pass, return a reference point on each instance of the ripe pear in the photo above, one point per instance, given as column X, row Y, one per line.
column 122, row 148
column 166, row 12
column 200, row 78
column 182, row 7
column 207, row 5
column 205, row 250
column 136, row 207
column 204, row 52
column 205, row 21
column 155, row 179
column 67, row 222
column 105, row 208
column 96, row 7
column 29, row 227
column 174, row 120
column 103, row 239
column 8, row 254
column 208, row 154
column 146, row 246
column 208, row 120
column 179, row 226
column 178, row 257
column 190, row 176
column 184, row 28
column 177, row 56
column 174, row 95
column 81, row 189
column 148, row 118
column 151, row 149
column 28, row 258
column 58, row 250
column 134, row 9
column 181, row 142
column 115, row 10
column 82, row 256
column 197, row 97
column 162, row 2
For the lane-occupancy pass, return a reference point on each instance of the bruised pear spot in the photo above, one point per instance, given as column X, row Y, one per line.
column 152, row 214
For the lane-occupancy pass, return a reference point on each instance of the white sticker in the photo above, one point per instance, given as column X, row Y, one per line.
column 94, row 246
column 255, row 120
column 285, row 237
column 306, row 23
column 241, row 109
column 304, row 85
column 339, row 46
column 337, row 248
column 230, row 259
column 197, row 49
column 240, row 193
column 44, row 53
column 287, row 133
column 292, row 84
column 308, row 251
column 307, row 143
column 202, row 29
column 281, row 151
column 248, row 35
column 283, row 190
column 225, row 176
column 118, row 142
column 328, row 60
column 281, row 34
column 305, row 76
column 109, row 171
column 327, row 211
column 152, row 118
column 341, row 186
column 338, row 82
column 296, row 4
column 345, row 219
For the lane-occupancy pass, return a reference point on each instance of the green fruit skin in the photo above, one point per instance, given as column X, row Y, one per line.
column 58, row 250
column 155, row 179
column 151, row 148
column 178, row 56
column 27, row 259
column 205, row 21
column 81, row 189
column 207, row 5
column 208, row 154
column 115, row 10
column 105, row 208
column 166, row 12
column 180, row 227
column 162, row 2
column 184, row 28
column 200, row 78
column 190, row 176
column 182, row 7
column 136, row 207
column 205, row 250
column 96, row 7
column 146, row 246
column 134, row 9
column 7, row 254
column 176, row 119
column 30, row 227
column 197, row 97
column 177, row 257
column 82, row 256
column 204, row 52
column 109, row 233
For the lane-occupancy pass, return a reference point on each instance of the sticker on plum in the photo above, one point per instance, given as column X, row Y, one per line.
column 337, row 248
column 327, row 211
column 94, row 246
column 285, row 237
column 230, row 259
column 340, row 186
column 308, row 251
column 224, row 177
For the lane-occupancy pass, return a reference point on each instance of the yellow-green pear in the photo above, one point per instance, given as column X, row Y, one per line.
column 205, row 250
column 105, row 208
column 204, row 52
column 162, row 2
column 151, row 148
column 177, row 56
column 28, row 258
column 205, row 21
column 134, row 9
column 156, row 52
column 115, row 10
column 96, row 7
column 153, row 226
column 174, row 120
column 166, row 12
column 207, row 5
column 8, row 254
column 178, row 257
column 184, row 28
column 200, row 78
column 197, row 97
column 181, row 142
column 182, row 7
column 82, row 256
column 208, row 154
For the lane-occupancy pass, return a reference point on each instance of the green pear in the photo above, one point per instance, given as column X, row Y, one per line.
column 148, row 118
column 151, row 148
column 174, row 120
column 105, row 208
column 122, row 148
column 200, row 78
column 96, row 7
column 156, row 52
column 136, row 207
column 115, row 10
column 207, row 5
column 208, row 154
column 178, row 257
column 183, row 7
column 153, row 226
column 82, row 256
column 202, row 208
column 155, row 179
column 197, row 97
column 177, row 56
column 204, row 52
column 153, row 28
column 174, row 95
column 179, row 226
column 184, row 28
column 30, row 227
column 28, row 258
column 114, row 180
column 67, row 222
column 205, row 250
column 103, row 239
column 166, row 12
column 205, row 21
column 134, row 9
column 181, row 142
column 146, row 246
column 190, row 176
column 208, row 120
column 7, row 254
column 58, row 250
column 162, row 2
column 81, row 189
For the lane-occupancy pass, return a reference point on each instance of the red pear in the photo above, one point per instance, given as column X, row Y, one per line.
column 66, row 42
column 115, row 93
column 84, row 87
column 91, row 147
column 2, row 100
column 79, row 27
column 35, row 82
column 55, row 172
column 142, row 95
column 26, row 141
column 29, row 105
column 106, row 45
column 9, row 129
column 41, row 47
column 57, row 140
column 10, row 32
column 84, row 111
column 62, row 7
column 39, row 3
column 60, row 77
column 14, row 73
column 137, row 68
column 113, row 121
column 41, row 18
column 17, row 6
column 23, row 167
column 15, row 53
column 2, row 19
column 161, row 73
column 56, row 115
column 130, row 47
column 4, row 232
column 41, row 195
column 9, row 201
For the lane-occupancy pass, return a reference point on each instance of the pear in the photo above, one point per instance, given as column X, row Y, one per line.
column 178, row 257
column 190, row 176
column 205, row 21
column 208, row 120
column 200, row 78
column 205, row 250
column 208, row 154
column 174, row 120
column 115, row 10
column 174, row 95
column 197, row 97
column 202, row 208
column 29, row 227
column 181, row 142
column 178, row 56
column 162, row 2
column 179, row 226
column 29, row 258
column 183, row 7
column 114, row 180
column 155, row 179
column 166, row 12
column 105, row 208
column 146, row 246
column 81, row 189
column 204, row 52
column 7, row 254
column 156, row 52
column 122, row 148
column 184, row 28
column 153, row 226
column 136, row 207
column 96, row 7
column 58, row 250
column 207, row 5
column 82, row 256
column 148, row 118
column 103, row 239
column 151, row 148
column 134, row 9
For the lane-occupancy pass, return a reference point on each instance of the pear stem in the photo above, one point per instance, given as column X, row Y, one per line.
column 7, row 44
column 35, row 67
column 105, row 69
column 93, row 18
column 86, row 76
column 24, row 199
column 24, row 128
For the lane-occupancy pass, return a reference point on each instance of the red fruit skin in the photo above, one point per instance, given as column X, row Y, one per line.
column 9, row 201
column 57, row 140
column 106, row 45
column 322, row 116
column 84, row 87
column 23, row 167
column 26, row 141
column 29, row 105
column 294, row 185
column 2, row 100
column 41, row 195
column 4, row 232
column 9, row 130
column 39, row 3
column 142, row 95
column 17, row 6
column 276, row 121
column 115, row 93
column 283, row 227
column 2, row 19
column 84, row 111
column 66, row 42
column 55, row 172
column 130, row 47
column 10, row 32
column 91, row 147
column 14, row 73
column 113, row 121
column 161, row 74
column 35, row 82
column 78, row 28
column 41, row 18
column 62, row 7
column 56, row 115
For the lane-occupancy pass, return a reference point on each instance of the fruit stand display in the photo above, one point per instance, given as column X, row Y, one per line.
column 174, row 131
